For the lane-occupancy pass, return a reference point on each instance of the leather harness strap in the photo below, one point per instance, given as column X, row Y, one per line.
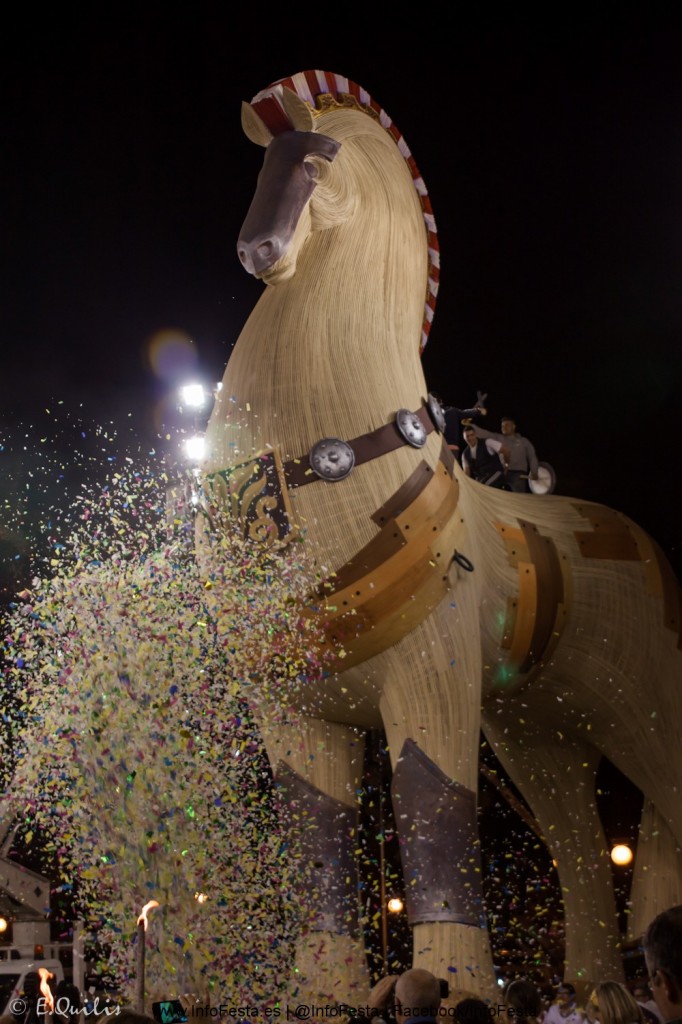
column 366, row 447
column 392, row 584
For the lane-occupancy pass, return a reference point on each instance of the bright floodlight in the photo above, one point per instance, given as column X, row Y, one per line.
column 621, row 854
column 193, row 395
column 395, row 905
column 195, row 448
column 3, row 925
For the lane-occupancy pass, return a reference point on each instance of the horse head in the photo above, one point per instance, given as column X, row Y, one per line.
column 296, row 164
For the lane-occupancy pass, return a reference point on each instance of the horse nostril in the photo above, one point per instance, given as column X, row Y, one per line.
column 258, row 256
column 265, row 250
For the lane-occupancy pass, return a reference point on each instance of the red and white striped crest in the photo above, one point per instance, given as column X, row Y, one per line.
column 308, row 85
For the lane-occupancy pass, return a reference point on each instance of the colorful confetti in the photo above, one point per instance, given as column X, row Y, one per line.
column 129, row 743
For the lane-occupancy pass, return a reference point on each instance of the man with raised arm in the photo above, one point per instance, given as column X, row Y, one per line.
column 521, row 462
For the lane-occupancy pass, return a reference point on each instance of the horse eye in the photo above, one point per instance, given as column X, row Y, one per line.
column 311, row 169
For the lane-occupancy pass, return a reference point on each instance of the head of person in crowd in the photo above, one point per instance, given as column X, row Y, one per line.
column 507, row 426
column 663, row 956
column 523, row 997
column 642, row 993
column 417, row 994
column 67, row 1002
column 29, row 1001
column 469, row 435
column 565, row 994
column 129, row 1016
column 472, row 1011
column 611, row 1002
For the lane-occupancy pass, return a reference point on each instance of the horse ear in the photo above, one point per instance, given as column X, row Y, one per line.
column 255, row 129
column 298, row 111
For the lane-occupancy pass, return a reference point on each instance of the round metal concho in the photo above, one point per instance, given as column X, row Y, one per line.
column 436, row 411
column 411, row 428
column 331, row 459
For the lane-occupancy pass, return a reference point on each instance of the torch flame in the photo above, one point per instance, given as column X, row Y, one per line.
column 142, row 919
column 44, row 975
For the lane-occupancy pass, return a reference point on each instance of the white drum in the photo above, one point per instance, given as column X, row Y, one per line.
column 546, row 481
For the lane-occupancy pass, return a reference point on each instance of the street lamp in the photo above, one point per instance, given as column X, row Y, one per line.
column 193, row 396
column 194, row 399
column 621, row 854
column 388, row 905
column 195, row 448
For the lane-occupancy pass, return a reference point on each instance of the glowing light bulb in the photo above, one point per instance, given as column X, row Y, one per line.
column 193, row 395
column 195, row 448
column 621, row 854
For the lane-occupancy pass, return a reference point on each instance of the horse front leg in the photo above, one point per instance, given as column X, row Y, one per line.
column 318, row 767
column 431, row 713
column 657, row 874
column 556, row 775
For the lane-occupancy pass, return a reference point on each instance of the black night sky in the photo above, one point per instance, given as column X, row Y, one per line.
column 552, row 152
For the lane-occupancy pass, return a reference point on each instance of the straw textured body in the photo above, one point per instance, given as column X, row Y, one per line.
column 558, row 630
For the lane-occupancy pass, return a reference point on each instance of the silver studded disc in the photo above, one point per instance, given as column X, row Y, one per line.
column 331, row 459
column 436, row 411
column 411, row 428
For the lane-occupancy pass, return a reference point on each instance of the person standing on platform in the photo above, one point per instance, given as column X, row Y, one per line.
column 482, row 459
column 453, row 422
column 522, row 462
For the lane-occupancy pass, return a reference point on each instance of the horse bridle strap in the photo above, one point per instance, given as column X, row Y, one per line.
column 332, row 459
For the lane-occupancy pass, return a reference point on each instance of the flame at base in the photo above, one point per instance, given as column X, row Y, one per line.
column 142, row 919
column 45, row 989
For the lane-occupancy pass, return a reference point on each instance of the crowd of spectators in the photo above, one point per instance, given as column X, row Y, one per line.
column 416, row 996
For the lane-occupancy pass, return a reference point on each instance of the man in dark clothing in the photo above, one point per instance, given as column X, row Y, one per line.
column 453, row 420
column 482, row 459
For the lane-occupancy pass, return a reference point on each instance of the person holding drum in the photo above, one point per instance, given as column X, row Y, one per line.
column 521, row 462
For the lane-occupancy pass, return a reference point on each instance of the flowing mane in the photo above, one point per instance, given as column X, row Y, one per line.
column 324, row 90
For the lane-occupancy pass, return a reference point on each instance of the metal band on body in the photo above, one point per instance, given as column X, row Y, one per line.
column 439, row 846
column 325, row 830
column 387, row 438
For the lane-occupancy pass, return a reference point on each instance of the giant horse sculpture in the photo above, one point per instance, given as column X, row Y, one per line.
column 552, row 624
